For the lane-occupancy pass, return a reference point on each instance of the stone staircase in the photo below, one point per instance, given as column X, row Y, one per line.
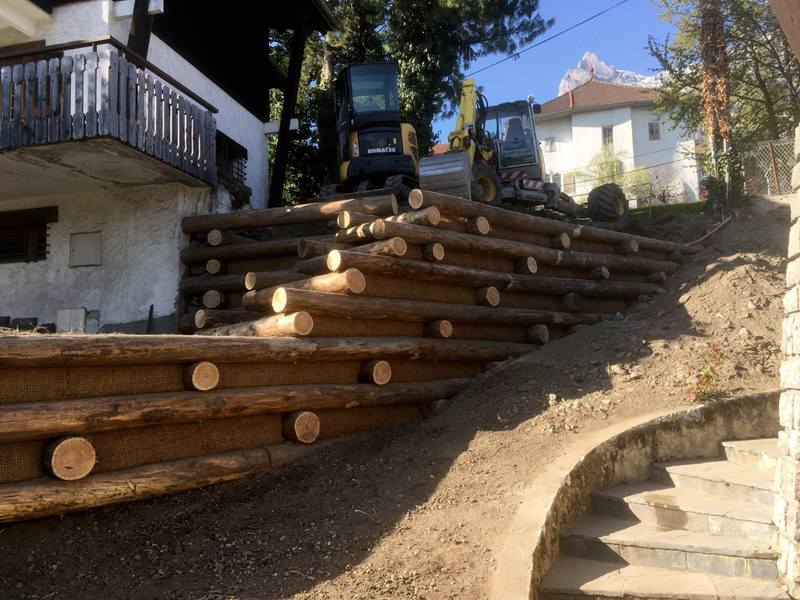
column 698, row 529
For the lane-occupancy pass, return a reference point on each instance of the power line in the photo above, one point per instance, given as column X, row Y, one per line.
column 552, row 37
column 624, row 158
column 647, row 168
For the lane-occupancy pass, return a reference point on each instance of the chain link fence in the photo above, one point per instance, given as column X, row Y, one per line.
column 768, row 167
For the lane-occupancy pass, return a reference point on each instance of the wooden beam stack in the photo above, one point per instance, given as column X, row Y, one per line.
column 311, row 334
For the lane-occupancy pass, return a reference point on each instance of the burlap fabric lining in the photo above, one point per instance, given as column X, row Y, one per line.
column 234, row 375
column 335, row 327
column 20, row 461
column 426, row 291
column 418, row 370
column 335, row 423
column 501, row 264
column 43, row 384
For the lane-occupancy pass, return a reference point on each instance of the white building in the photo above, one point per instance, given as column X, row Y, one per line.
column 117, row 119
column 575, row 126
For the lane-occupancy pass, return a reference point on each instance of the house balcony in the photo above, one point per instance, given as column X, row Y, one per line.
column 93, row 115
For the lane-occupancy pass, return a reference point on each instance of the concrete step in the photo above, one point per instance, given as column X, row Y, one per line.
column 573, row 579
column 677, row 508
column 761, row 453
column 720, row 478
column 623, row 541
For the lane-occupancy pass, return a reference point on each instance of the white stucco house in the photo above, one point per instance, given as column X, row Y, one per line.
column 117, row 119
column 575, row 126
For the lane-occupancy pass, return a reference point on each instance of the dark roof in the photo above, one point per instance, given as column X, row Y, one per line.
column 598, row 94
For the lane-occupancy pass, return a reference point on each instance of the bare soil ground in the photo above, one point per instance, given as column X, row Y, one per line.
column 421, row 512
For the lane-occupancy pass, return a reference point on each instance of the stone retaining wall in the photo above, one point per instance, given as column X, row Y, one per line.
column 787, row 477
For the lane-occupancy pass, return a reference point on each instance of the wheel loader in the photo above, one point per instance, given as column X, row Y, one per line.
column 494, row 157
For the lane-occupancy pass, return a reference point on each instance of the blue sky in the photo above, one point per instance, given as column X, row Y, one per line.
column 619, row 38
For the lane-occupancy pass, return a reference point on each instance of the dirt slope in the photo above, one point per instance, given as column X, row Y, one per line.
column 420, row 512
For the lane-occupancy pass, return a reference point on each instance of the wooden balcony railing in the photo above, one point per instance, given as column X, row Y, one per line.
column 103, row 92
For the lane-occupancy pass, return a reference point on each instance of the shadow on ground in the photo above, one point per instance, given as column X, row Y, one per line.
column 276, row 534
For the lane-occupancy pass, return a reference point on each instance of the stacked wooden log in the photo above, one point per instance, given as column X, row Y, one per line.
column 447, row 268
column 353, row 315
column 93, row 420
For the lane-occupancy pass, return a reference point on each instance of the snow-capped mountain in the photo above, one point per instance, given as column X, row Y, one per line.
column 603, row 72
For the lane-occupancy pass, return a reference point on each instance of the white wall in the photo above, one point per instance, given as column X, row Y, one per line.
column 579, row 137
column 140, row 256
column 233, row 119
column 679, row 175
column 562, row 159
column 95, row 18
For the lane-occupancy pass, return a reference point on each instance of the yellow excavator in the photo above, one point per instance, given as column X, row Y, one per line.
column 376, row 149
column 494, row 157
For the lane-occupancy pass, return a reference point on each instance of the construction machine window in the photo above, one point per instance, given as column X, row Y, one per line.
column 374, row 88
column 511, row 128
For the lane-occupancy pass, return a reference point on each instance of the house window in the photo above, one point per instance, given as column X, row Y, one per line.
column 608, row 136
column 23, row 234
column 549, row 144
column 231, row 159
column 654, row 130
column 555, row 178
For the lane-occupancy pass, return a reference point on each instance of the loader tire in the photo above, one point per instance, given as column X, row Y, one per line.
column 607, row 204
column 488, row 188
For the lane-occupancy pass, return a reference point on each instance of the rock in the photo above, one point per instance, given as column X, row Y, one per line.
column 618, row 370
column 552, row 399
column 744, row 332
column 619, row 316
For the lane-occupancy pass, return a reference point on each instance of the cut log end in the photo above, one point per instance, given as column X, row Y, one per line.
column 355, row 281
column 214, row 299
column 599, row 273
column 301, row 426
column 627, row 247
column 526, row 265
column 537, row 334
column 215, row 267
column 478, row 226
column 303, row 323
column 487, row 296
column 441, row 329
column 69, row 458
column 433, row 252
column 560, row 241
column 201, row 376
column 378, row 372
column 279, row 300
column 214, row 237
column 659, row 277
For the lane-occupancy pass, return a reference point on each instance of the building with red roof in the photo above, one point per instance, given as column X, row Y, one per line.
column 575, row 126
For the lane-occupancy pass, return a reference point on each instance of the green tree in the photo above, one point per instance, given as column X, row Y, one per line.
column 432, row 41
column 764, row 74
column 608, row 166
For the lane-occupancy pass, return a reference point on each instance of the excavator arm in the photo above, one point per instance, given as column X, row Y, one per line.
column 470, row 135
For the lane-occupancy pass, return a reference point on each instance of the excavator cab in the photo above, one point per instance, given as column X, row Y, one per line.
column 375, row 147
column 513, row 134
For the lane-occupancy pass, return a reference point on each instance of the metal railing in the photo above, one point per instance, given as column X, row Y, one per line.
column 107, row 91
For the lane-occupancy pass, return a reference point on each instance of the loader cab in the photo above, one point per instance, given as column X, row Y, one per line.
column 513, row 132
column 373, row 142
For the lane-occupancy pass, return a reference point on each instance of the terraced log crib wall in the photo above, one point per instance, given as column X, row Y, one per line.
column 313, row 334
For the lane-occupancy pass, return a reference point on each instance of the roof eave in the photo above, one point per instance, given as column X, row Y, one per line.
column 581, row 109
